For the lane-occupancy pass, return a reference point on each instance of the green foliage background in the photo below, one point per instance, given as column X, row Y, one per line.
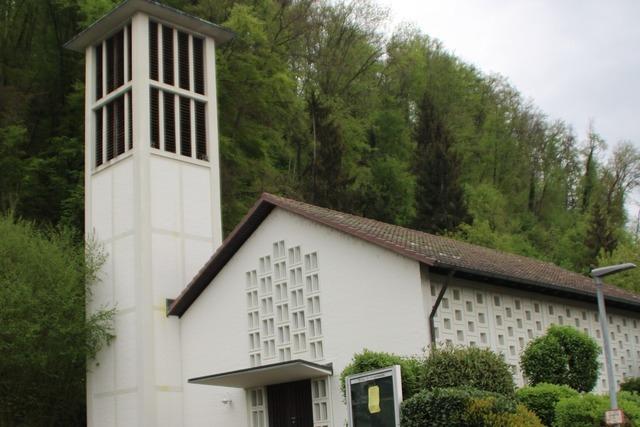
column 46, row 338
column 318, row 103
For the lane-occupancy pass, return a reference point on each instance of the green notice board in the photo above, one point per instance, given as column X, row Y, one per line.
column 374, row 398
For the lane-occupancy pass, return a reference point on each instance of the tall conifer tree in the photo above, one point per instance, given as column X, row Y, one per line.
column 439, row 197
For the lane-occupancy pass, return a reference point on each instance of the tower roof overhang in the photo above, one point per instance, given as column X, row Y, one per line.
column 121, row 13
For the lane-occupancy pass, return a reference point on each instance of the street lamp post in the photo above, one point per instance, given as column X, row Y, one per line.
column 598, row 274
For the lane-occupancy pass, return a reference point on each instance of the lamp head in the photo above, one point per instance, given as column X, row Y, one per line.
column 611, row 269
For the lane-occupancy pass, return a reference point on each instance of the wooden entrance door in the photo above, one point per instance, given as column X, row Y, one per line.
column 290, row 404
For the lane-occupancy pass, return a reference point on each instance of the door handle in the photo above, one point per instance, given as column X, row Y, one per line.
column 293, row 421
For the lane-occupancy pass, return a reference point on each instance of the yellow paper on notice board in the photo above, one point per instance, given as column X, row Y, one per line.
column 374, row 399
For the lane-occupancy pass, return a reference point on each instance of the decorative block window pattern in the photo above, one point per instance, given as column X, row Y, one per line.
column 257, row 407
column 284, row 317
column 320, row 402
column 178, row 104
column 506, row 323
column 112, row 105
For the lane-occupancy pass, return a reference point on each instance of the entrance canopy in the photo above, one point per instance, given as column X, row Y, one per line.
column 277, row 373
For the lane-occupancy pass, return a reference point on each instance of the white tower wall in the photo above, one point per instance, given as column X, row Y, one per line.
column 157, row 216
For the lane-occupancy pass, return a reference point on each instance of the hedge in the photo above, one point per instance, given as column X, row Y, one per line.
column 467, row 367
column 370, row 360
column 464, row 407
column 588, row 410
column 542, row 399
column 481, row 412
column 631, row 384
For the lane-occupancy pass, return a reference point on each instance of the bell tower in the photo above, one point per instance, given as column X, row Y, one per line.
column 152, row 196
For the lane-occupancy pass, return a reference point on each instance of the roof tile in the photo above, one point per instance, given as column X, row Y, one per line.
column 450, row 253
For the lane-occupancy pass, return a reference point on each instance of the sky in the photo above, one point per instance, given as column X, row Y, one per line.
column 576, row 59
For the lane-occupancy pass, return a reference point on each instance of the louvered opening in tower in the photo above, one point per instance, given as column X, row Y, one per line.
column 129, row 56
column 198, row 65
column 185, row 126
column 119, row 59
column 201, row 134
column 111, row 67
column 99, row 131
column 130, row 118
column 153, row 50
column 99, row 75
column 119, row 125
column 155, row 117
column 183, row 60
column 177, row 103
column 113, row 104
column 111, row 127
column 167, row 54
column 169, row 122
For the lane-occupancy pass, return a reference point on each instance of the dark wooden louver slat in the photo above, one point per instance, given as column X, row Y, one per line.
column 169, row 122
column 185, row 126
column 183, row 59
column 119, row 58
column 198, row 65
column 167, row 54
column 129, row 55
column 99, row 71
column 153, row 51
column 130, row 118
column 98, row 116
column 201, row 134
column 110, row 65
column 119, row 107
column 155, row 118
column 110, row 130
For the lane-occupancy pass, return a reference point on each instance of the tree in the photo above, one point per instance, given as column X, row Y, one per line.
column 440, row 200
column 46, row 337
column 608, row 216
column 628, row 250
column 563, row 356
column 594, row 144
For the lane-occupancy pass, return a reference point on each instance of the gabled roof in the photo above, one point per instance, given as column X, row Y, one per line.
column 439, row 253
column 123, row 11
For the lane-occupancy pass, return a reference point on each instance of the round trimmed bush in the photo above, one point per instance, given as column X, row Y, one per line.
column 631, row 384
column 371, row 360
column 563, row 355
column 588, row 410
column 460, row 406
column 542, row 399
column 467, row 367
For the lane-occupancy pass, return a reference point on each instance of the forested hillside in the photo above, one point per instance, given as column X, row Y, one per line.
column 318, row 103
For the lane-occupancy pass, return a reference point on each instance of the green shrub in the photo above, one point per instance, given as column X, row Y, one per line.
column 467, row 367
column 482, row 413
column 588, row 410
column 542, row 399
column 464, row 407
column 631, row 384
column 563, row 356
column 522, row 418
column 370, row 360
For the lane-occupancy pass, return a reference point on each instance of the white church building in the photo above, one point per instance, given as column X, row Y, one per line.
column 253, row 331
